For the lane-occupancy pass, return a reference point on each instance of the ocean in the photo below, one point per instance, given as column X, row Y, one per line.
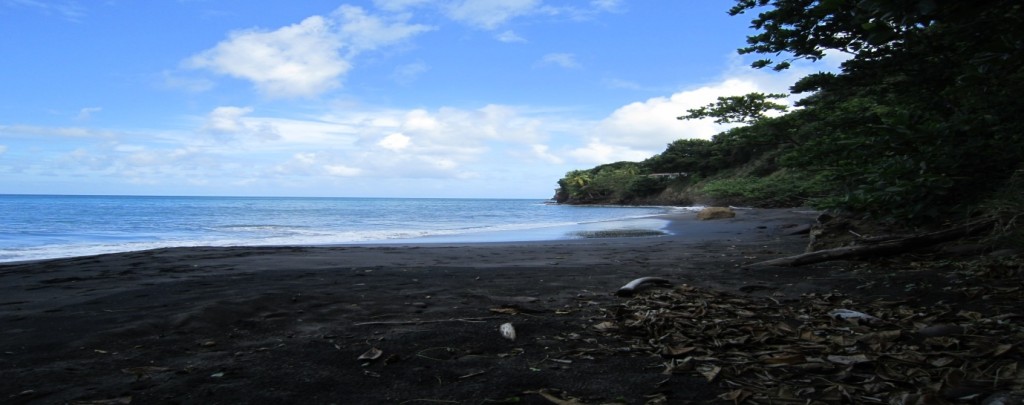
column 36, row 227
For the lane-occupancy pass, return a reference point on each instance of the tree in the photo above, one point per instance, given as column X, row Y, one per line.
column 923, row 119
column 745, row 109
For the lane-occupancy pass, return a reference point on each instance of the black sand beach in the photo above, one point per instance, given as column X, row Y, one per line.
column 377, row 324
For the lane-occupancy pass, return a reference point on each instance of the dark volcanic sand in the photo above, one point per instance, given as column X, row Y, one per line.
column 288, row 324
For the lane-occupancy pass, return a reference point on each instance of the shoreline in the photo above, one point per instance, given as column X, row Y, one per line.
column 466, row 236
column 676, row 221
column 291, row 323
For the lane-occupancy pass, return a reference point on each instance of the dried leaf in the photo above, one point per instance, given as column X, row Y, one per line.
column 879, row 337
column 606, row 326
column 736, row 396
column 785, row 358
column 1001, row 350
column 709, row 371
column 846, row 360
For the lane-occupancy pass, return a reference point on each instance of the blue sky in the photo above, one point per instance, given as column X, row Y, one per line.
column 382, row 98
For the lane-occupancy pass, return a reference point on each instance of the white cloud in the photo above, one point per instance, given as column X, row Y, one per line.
column 399, row 5
column 598, row 152
column 226, row 119
column 641, row 129
column 297, row 60
column 563, row 60
column 71, row 132
column 342, row 170
column 652, row 124
column 395, row 142
column 87, row 112
column 304, row 59
column 510, row 36
column 490, row 14
column 541, row 152
column 3, row 149
column 362, row 32
column 609, row 5
column 230, row 120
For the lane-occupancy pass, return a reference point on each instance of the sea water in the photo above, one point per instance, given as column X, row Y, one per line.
column 52, row 226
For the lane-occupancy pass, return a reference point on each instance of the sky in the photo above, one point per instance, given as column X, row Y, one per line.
column 381, row 98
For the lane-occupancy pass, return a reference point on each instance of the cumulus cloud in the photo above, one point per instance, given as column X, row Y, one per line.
column 596, row 152
column 439, row 143
column 298, row 60
column 303, row 59
column 652, row 123
column 563, row 60
column 641, row 129
column 395, row 142
column 542, row 152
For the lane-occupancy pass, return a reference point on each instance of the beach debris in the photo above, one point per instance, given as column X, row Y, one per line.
column 716, row 213
column 506, row 309
column 808, row 351
column 507, row 331
column 633, row 286
column 372, row 354
column 852, row 316
column 470, row 375
column 606, row 326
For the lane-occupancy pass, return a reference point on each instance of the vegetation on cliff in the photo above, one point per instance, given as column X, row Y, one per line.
column 922, row 122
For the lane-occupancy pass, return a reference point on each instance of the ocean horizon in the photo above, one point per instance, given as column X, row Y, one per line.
column 36, row 227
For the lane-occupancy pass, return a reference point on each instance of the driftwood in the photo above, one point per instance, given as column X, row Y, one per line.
column 880, row 246
column 633, row 286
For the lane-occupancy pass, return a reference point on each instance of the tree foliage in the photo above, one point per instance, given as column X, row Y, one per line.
column 922, row 121
column 745, row 109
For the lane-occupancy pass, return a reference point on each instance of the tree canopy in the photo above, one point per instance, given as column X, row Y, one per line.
column 922, row 121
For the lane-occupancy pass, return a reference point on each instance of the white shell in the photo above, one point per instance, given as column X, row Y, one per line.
column 507, row 331
column 852, row 315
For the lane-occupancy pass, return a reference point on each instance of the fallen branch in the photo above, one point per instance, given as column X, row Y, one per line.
column 882, row 248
